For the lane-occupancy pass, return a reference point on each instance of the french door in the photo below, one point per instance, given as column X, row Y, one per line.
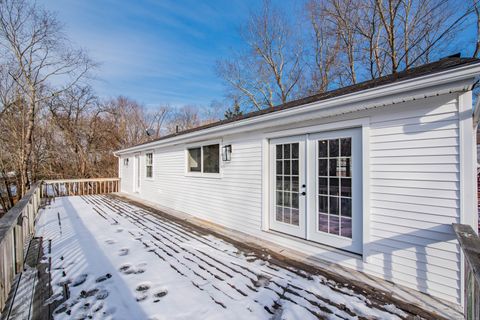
column 287, row 179
column 316, row 188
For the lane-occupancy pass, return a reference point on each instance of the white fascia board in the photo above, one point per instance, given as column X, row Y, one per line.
column 458, row 79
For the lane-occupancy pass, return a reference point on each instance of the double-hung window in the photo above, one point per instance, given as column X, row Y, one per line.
column 149, row 165
column 204, row 159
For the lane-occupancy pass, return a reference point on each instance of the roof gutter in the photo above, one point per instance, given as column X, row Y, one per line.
column 447, row 81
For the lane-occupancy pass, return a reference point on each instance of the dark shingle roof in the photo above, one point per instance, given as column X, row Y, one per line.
column 430, row 68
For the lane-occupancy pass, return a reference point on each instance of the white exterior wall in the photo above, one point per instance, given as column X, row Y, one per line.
column 412, row 193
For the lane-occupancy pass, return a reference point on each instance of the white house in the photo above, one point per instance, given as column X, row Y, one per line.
column 370, row 177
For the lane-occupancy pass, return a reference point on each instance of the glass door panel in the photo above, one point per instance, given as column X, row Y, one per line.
column 334, row 186
column 335, row 165
column 288, row 175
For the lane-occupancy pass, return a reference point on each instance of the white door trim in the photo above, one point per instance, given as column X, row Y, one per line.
column 136, row 173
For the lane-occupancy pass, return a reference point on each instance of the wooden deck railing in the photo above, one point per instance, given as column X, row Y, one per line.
column 17, row 225
column 470, row 244
column 16, row 228
column 79, row 187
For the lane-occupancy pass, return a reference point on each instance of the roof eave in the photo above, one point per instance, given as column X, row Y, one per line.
column 460, row 78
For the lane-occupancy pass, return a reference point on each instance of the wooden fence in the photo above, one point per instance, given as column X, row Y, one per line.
column 16, row 228
column 79, row 187
column 17, row 225
column 470, row 244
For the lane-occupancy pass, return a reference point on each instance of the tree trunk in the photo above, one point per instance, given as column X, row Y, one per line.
column 7, row 205
column 28, row 147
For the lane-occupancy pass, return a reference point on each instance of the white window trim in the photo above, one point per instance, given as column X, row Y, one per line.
column 201, row 173
column 145, row 165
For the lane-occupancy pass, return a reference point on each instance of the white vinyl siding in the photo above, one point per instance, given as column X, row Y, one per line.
column 414, row 196
column 414, row 192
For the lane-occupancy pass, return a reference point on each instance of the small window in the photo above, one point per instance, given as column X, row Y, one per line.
column 211, row 158
column 204, row 159
column 149, row 165
column 194, row 160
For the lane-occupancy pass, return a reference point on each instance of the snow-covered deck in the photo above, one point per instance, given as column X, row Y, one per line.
column 120, row 261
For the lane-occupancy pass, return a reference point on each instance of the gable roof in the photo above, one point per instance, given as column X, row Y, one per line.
column 426, row 69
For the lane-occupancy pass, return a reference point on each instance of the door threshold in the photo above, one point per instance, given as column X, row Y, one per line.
column 316, row 244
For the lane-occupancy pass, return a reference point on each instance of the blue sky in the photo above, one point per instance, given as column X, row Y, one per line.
column 159, row 51
column 156, row 52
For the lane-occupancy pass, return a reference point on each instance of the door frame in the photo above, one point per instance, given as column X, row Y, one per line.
column 136, row 173
column 364, row 124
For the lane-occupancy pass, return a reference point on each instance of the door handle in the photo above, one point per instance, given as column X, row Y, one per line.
column 303, row 193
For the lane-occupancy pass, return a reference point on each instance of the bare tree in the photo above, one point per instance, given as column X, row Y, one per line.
column 7, row 88
column 133, row 119
column 270, row 71
column 344, row 14
column 385, row 36
column 325, row 48
column 476, row 8
column 32, row 39
column 184, row 118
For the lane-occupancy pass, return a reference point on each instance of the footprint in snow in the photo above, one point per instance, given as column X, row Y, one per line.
column 119, row 230
column 80, row 279
column 97, row 306
column 262, row 281
column 160, row 294
column 140, row 268
column 141, row 297
column 127, row 269
column 109, row 311
column 103, row 278
column 102, row 294
column 109, row 241
column 139, row 271
column 123, row 252
column 61, row 308
column 90, row 293
column 143, row 287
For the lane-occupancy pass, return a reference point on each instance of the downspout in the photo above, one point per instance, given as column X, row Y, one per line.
column 476, row 119
column 476, row 115
column 118, row 172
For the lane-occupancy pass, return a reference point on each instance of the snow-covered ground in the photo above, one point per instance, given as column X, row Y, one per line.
column 122, row 262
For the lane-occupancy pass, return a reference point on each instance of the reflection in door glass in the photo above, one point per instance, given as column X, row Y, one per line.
column 335, row 186
column 287, row 183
